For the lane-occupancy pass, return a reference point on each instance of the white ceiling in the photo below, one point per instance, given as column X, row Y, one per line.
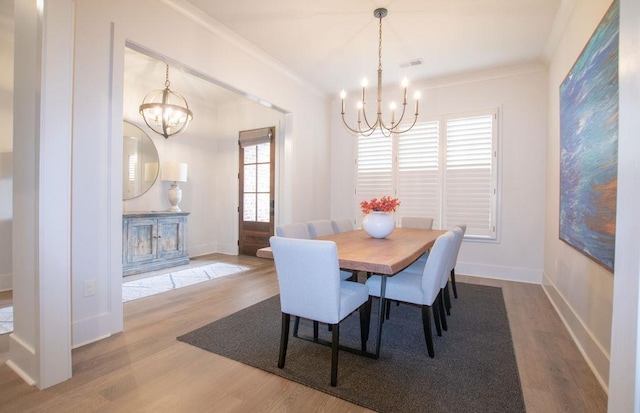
column 333, row 43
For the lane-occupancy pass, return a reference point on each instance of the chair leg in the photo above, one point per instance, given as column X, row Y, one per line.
column 443, row 317
column 334, row 354
column 284, row 339
column 315, row 331
column 447, row 298
column 426, row 324
column 296, row 324
column 387, row 309
column 436, row 317
column 365, row 321
column 453, row 282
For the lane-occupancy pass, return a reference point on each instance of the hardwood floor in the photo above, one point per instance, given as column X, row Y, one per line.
column 145, row 369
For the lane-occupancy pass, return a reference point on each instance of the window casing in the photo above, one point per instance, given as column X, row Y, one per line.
column 444, row 168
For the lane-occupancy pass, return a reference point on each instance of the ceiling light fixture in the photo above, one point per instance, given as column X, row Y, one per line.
column 394, row 126
column 165, row 111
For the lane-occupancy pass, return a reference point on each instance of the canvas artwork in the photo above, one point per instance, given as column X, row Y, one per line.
column 589, row 145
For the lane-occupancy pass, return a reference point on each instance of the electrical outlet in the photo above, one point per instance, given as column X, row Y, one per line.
column 89, row 288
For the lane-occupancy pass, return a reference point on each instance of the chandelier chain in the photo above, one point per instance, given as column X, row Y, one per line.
column 380, row 43
column 166, row 82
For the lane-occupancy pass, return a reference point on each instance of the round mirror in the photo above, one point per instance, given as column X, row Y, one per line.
column 140, row 163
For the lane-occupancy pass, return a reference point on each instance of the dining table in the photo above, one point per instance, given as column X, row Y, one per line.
column 358, row 251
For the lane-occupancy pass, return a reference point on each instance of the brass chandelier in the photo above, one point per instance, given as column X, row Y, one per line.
column 165, row 111
column 363, row 126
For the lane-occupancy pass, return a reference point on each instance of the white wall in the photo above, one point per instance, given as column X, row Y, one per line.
column 212, row 50
column 6, row 140
column 580, row 289
column 520, row 94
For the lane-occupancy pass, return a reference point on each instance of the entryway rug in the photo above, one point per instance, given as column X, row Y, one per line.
column 177, row 278
column 474, row 369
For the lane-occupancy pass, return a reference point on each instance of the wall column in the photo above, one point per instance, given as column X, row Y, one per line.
column 40, row 346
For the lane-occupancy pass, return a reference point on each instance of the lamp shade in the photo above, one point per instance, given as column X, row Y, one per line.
column 174, row 171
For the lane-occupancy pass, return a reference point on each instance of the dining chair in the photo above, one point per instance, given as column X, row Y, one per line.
column 342, row 225
column 319, row 228
column 320, row 296
column 296, row 230
column 420, row 223
column 458, row 232
column 417, row 267
column 301, row 231
column 416, row 222
column 455, row 260
column 420, row 289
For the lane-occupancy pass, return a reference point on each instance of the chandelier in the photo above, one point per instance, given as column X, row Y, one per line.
column 165, row 111
column 387, row 129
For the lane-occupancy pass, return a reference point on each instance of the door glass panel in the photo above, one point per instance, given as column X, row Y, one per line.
column 263, row 207
column 249, row 213
column 250, row 154
column 264, row 178
column 250, row 184
column 264, row 152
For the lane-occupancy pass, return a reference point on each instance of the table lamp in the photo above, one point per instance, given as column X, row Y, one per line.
column 174, row 172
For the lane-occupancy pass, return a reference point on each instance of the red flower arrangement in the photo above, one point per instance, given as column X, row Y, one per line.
column 384, row 204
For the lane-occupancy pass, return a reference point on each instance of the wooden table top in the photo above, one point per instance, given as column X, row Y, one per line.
column 358, row 251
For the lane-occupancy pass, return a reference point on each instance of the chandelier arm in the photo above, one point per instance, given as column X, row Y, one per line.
column 366, row 121
column 358, row 131
column 404, row 108
column 409, row 128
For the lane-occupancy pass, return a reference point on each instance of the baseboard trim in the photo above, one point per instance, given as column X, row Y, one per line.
column 594, row 354
column 22, row 359
column 91, row 329
column 497, row 272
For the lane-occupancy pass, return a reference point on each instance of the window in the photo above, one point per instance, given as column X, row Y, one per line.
column 445, row 169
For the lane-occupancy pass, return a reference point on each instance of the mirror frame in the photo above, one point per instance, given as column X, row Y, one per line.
column 130, row 130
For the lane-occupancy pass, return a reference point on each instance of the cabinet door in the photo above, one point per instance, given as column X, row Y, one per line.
column 141, row 240
column 171, row 237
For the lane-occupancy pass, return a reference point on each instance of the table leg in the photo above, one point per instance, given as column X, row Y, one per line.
column 383, row 286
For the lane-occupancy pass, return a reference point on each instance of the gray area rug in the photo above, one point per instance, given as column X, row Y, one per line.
column 474, row 369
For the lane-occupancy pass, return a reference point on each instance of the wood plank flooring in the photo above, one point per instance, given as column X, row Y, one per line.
column 145, row 369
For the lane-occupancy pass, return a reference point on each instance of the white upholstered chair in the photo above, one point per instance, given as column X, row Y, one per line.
column 421, row 223
column 463, row 227
column 342, row 225
column 416, row 222
column 296, row 230
column 319, row 228
column 310, row 287
column 421, row 289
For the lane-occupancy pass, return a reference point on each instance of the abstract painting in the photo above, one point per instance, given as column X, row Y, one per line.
column 589, row 145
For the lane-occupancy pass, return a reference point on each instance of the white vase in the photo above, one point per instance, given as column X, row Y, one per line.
column 378, row 224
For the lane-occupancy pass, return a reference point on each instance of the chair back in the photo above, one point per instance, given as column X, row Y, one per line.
column 453, row 255
column 319, row 228
column 309, row 278
column 436, row 265
column 292, row 231
column 342, row 225
column 416, row 222
column 463, row 227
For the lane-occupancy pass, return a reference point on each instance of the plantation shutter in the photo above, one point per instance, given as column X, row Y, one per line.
column 418, row 179
column 469, row 174
column 374, row 169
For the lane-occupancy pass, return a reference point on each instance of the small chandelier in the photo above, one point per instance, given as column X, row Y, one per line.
column 165, row 111
column 394, row 126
